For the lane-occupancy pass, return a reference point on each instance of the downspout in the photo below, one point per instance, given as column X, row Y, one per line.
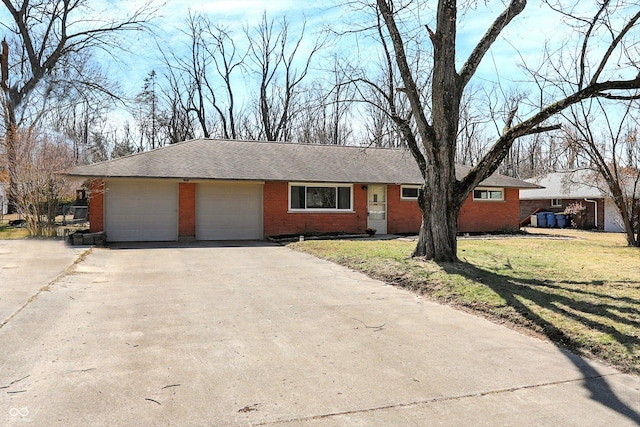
column 595, row 211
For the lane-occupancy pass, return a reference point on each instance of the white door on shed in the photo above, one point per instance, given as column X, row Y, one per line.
column 229, row 211
column 141, row 211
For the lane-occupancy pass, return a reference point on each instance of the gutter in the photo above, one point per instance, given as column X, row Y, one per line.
column 595, row 210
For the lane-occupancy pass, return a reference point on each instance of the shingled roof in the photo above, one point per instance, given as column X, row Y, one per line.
column 273, row 161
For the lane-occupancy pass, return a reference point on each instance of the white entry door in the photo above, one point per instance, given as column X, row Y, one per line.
column 377, row 208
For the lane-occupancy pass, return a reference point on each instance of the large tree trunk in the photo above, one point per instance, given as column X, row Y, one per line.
column 437, row 238
column 439, row 204
column 9, row 124
column 10, row 145
column 625, row 213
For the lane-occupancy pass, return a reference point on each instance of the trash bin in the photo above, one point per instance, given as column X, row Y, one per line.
column 551, row 219
column 561, row 220
column 542, row 219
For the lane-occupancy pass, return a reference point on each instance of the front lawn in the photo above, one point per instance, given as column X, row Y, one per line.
column 581, row 290
column 9, row 232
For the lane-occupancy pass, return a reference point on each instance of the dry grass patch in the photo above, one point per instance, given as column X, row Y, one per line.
column 8, row 232
column 582, row 293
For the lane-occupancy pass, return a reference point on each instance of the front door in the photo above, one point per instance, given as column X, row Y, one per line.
column 377, row 208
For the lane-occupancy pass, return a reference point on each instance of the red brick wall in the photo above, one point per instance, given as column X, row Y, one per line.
column 485, row 216
column 475, row 216
column 186, row 209
column 96, row 205
column 403, row 216
column 278, row 221
column 527, row 207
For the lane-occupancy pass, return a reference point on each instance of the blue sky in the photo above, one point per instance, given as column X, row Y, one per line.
column 521, row 41
column 527, row 33
column 232, row 14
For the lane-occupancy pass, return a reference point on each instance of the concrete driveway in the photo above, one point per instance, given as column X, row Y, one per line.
column 257, row 334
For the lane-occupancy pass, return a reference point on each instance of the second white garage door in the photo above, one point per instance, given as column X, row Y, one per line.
column 229, row 211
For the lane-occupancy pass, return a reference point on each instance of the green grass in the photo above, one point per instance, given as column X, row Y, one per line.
column 583, row 292
column 7, row 232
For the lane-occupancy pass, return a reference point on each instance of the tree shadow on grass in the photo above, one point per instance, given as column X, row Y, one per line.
column 557, row 300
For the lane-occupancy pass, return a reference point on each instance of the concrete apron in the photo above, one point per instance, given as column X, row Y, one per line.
column 27, row 266
column 262, row 335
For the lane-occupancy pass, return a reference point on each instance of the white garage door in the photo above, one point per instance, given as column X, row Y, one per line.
column 228, row 211
column 141, row 211
column 612, row 219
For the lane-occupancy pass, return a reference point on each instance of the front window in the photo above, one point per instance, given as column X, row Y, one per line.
column 409, row 192
column 556, row 203
column 320, row 197
column 488, row 194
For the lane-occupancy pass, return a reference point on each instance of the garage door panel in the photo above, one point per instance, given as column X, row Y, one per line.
column 141, row 211
column 229, row 211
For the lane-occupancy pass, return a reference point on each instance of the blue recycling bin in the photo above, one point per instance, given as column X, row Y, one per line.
column 562, row 220
column 551, row 219
column 542, row 219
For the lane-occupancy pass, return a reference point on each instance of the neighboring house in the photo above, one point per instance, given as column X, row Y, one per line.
column 222, row 190
column 564, row 188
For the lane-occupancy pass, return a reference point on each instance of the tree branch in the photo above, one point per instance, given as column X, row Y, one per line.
column 583, row 52
column 491, row 161
column 543, row 129
column 614, row 44
column 470, row 67
column 411, row 88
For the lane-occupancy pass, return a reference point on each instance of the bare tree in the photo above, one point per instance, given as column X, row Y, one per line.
column 206, row 75
column 148, row 113
column 206, row 84
column 122, row 145
column 325, row 110
column 611, row 147
column 472, row 143
column 378, row 86
column 41, row 188
column 227, row 58
column 51, row 42
column 177, row 122
column 79, row 118
column 275, row 58
column 431, row 130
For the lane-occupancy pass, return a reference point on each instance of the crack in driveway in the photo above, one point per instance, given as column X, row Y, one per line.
column 45, row 288
column 429, row 401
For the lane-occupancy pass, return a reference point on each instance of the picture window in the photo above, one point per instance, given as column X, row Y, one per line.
column 320, row 197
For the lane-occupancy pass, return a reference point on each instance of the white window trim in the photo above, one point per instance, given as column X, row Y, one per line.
column 319, row 184
column 556, row 205
column 501, row 199
column 408, row 186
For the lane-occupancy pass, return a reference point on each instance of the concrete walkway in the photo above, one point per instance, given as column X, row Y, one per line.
column 254, row 334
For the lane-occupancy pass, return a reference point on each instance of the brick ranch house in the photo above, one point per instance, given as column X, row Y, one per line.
column 231, row 190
